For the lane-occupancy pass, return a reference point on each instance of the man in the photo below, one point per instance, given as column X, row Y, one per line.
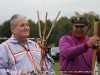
column 76, row 48
column 19, row 55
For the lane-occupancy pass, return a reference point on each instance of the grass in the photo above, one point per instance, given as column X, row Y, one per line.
column 99, row 68
column 57, row 69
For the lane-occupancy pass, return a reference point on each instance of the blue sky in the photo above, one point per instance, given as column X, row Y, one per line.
column 29, row 8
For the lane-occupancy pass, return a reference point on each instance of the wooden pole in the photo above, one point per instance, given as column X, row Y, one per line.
column 45, row 26
column 43, row 39
column 52, row 25
column 39, row 24
column 94, row 49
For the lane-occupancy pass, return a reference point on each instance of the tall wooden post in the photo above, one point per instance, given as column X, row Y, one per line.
column 44, row 38
column 94, row 49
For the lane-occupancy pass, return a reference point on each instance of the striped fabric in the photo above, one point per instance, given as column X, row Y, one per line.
column 14, row 58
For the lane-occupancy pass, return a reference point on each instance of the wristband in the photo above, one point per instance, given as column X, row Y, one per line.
column 86, row 46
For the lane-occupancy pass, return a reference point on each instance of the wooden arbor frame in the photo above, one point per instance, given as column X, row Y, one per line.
column 44, row 38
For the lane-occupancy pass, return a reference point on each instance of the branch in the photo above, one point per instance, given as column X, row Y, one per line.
column 52, row 25
column 45, row 26
column 39, row 24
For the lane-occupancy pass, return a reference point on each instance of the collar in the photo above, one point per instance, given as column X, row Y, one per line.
column 79, row 39
column 14, row 40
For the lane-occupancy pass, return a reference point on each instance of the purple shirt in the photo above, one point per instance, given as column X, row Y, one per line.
column 73, row 54
column 14, row 58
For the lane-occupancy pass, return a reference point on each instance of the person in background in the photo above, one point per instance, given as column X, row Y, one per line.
column 19, row 55
column 76, row 48
column 38, row 41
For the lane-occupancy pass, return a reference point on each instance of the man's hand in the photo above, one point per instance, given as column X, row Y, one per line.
column 25, row 73
column 93, row 41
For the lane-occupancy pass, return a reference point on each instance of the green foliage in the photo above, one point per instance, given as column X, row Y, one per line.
column 0, row 31
column 91, row 16
column 57, row 67
column 62, row 27
column 33, row 28
column 5, row 30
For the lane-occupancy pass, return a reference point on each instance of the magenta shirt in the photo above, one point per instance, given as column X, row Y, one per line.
column 73, row 54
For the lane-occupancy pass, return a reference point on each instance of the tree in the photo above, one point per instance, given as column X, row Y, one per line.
column 0, row 31
column 63, row 27
column 91, row 16
column 33, row 28
column 6, row 31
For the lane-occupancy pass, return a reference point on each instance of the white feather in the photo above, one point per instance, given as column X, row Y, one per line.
column 76, row 13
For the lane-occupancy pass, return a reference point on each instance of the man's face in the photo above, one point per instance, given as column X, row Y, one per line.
column 79, row 30
column 22, row 28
